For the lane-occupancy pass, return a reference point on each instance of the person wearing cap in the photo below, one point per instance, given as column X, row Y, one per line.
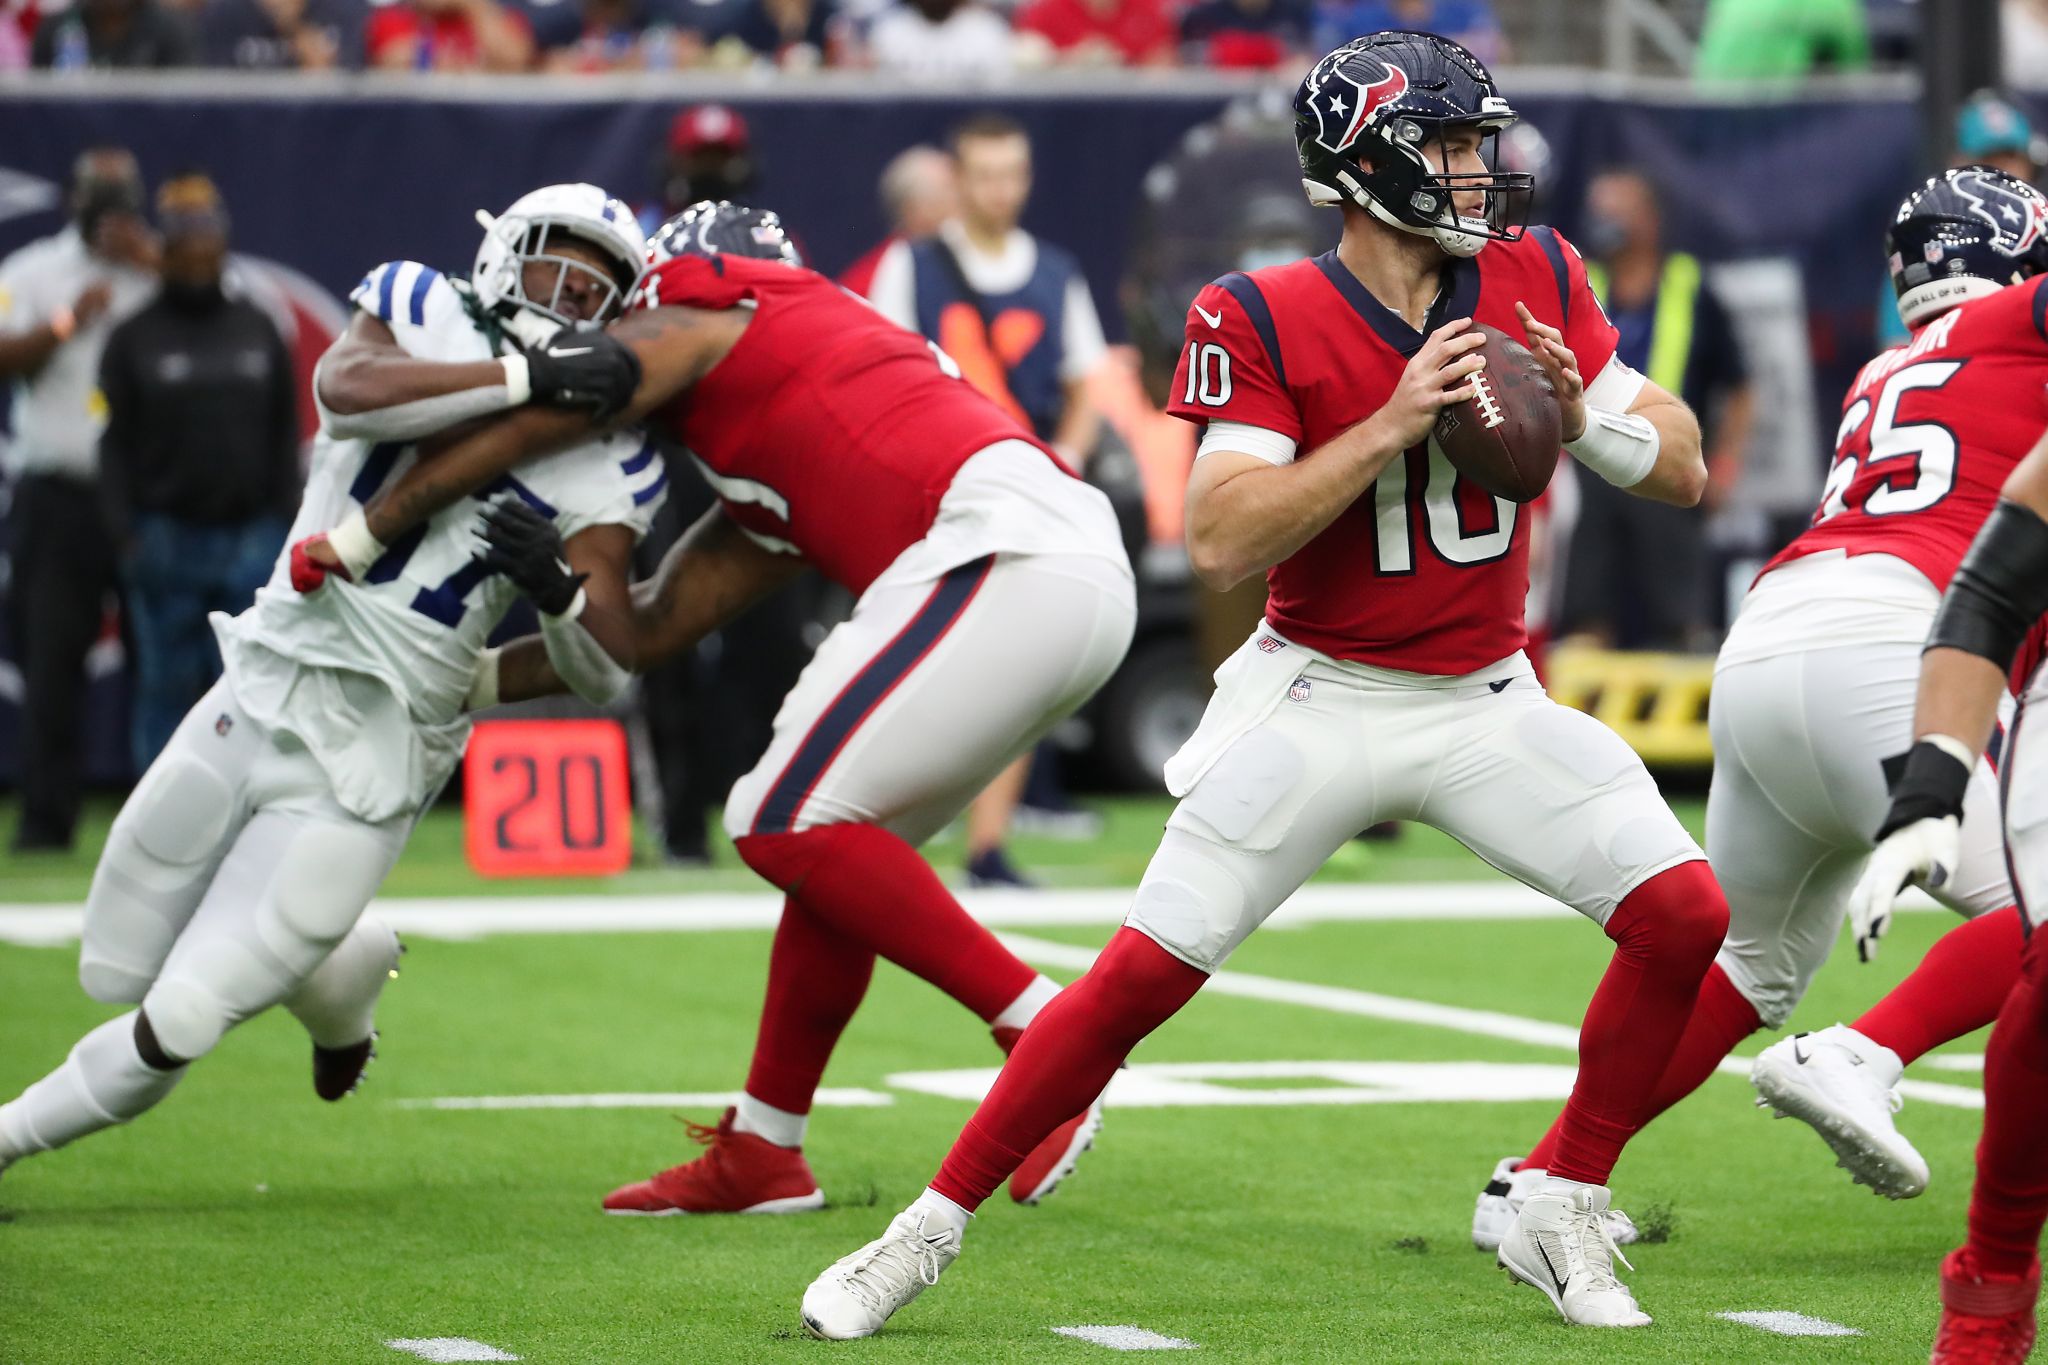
column 60, row 297
column 708, row 155
column 199, row 463
column 1991, row 130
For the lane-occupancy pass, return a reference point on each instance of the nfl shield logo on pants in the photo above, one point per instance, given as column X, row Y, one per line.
column 1299, row 690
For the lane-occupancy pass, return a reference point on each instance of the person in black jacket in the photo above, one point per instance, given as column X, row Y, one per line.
column 199, row 464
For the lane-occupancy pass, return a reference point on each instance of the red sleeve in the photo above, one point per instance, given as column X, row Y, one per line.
column 392, row 24
column 1230, row 367
column 1586, row 328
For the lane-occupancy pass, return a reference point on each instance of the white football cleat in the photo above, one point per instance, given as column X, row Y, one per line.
column 1502, row 1199
column 1843, row 1086
column 1560, row 1244
column 860, row 1292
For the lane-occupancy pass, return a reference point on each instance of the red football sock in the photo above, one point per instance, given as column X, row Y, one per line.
column 871, row 887
column 1721, row 1018
column 2010, row 1200
column 1065, row 1059
column 1957, row 988
column 1665, row 935
column 816, row 978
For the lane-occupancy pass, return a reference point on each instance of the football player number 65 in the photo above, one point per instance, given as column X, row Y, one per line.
column 1931, row 447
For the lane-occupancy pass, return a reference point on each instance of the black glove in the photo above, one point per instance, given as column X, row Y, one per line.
column 525, row 547
column 1927, row 783
column 585, row 369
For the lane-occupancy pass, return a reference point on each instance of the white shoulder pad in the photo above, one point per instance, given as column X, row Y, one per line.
column 618, row 481
column 422, row 309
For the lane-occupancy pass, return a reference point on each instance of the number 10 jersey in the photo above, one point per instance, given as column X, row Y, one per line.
column 1425, row 572
column 1929, row 432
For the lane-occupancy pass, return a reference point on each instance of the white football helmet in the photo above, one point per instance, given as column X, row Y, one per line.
column 520, row 235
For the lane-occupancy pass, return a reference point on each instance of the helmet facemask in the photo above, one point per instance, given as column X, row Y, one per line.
column 1407, row 188
column 1370, row 122
column 535, row 315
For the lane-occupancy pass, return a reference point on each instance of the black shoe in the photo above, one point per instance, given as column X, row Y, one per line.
column 993, row 869
column 337, row 1071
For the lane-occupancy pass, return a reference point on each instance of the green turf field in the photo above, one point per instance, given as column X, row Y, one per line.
column 244, row 1221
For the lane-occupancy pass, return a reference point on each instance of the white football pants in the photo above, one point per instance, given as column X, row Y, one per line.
column 1798, row 793
column 1297, row 754
column 914, row 703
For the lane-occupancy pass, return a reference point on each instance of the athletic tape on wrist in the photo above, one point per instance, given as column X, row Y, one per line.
column 518, row 378
column 1620, row 447
column 353, row 544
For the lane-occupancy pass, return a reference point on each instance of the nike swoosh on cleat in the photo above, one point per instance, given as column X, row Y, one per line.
column 1213, row 319
column 581, row 350
column 1797, row 1055
column 1500, row 686
column 1554, row 1279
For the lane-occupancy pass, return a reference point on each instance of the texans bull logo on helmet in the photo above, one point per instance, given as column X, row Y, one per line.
column 2017, row 220
column 1344, row 104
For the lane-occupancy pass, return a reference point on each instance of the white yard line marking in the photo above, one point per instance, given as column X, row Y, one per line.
column 469, row 917
column 1204, row 1084
column 1333, row 999
column 1127, row 1338
column 1953, row 1061
column 448, row 1349
column 846, row 1098
column 1398, row 1009
column 1791, row 1324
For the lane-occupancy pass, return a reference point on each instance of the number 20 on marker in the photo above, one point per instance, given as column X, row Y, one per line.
column 547, row 798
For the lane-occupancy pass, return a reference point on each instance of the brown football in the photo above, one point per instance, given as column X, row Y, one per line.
column 1506, row 437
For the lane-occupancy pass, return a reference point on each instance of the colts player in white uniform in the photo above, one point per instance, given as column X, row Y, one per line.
column 236, row 874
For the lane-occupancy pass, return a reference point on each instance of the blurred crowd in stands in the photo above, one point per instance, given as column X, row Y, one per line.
column 912, row 38
column 932, row 39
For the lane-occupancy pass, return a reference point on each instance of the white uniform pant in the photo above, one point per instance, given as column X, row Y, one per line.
column 1798, row 793
column 1297, row 754
column 915, row 702
column 229, row 876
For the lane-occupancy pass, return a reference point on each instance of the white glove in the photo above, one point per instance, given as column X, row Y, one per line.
column 1923, row 853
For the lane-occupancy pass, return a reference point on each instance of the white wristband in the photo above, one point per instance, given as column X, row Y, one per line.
column 353, row 544
column 518, row 378
column 1953, row 747
column 483, row 688
column 1620, row 447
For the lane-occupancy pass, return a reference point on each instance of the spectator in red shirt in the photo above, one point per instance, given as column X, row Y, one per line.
column 919, row 192
column 1102, row 32
column 1254, row 34
column 449, row 35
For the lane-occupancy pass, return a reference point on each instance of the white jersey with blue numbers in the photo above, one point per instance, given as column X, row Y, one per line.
column 372, row 675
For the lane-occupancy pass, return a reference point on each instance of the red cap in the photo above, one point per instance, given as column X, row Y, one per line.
column 707, row 125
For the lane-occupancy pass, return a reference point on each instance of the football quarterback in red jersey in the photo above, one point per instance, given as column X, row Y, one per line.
column 1814, row 688
column 1389, row 678
column 994, row 598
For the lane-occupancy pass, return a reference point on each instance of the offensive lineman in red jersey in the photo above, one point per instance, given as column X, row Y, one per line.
column 1389, row 680
column 1814, row 685
column 994, row 598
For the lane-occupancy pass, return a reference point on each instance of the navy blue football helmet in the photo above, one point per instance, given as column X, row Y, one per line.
column 722, row 228
column 1383, row 99
column 1965, row 233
